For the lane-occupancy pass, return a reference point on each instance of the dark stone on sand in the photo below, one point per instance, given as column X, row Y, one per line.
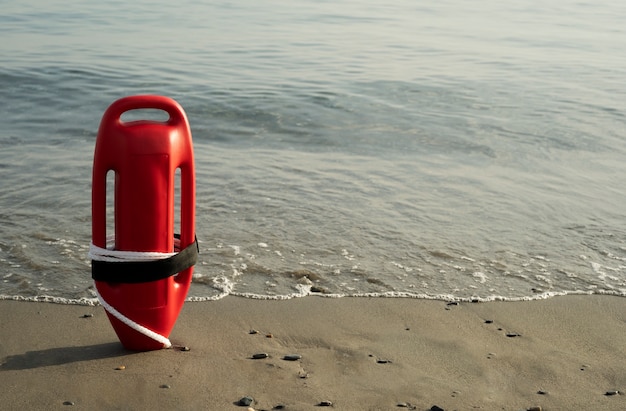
column 611, row 393
column 260, row 356
column 68, row 402
column 279, row 407
column 381, row 361
column 167, row 386
column 185, row 348
column 452, row 303
column 512, row 335
column 292, row 357
column 325, row 404
column 245, row 401
column 436, row 408
column 488, row 321
column 86, row 316
column 542, row 392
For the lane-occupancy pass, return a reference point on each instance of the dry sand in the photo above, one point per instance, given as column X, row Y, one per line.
column 565, row 353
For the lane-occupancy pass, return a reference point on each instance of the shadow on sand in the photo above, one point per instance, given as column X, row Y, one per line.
column 61, row 356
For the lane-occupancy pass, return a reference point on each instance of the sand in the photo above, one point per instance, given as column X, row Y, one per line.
column 564, row 353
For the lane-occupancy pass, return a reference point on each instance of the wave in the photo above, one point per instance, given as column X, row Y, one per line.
column 449, row 298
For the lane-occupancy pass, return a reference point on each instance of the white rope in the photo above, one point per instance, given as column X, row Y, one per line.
column 110, row 255
column 137, row 327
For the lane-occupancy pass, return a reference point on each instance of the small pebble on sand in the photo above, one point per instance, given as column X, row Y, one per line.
column 612, row 392
column 292, row 357
column 120, row 367
column 260, row 356
column 245, row 401
column 164, row 386
column 87, row 316
column 68, row 402
column 325, row 404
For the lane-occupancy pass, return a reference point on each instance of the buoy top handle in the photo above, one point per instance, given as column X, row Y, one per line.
column 147, row 101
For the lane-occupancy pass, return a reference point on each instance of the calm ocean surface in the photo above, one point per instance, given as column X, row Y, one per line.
column 455, row 150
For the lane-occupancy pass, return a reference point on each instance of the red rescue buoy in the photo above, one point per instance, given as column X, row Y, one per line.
column 145, row 156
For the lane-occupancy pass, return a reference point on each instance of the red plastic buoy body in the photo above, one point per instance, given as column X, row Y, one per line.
column 145, row 156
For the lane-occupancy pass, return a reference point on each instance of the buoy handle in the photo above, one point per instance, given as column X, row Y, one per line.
column 171, row 107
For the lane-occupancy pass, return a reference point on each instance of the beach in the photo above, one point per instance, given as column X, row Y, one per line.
column 398, row 205
column 563, row 353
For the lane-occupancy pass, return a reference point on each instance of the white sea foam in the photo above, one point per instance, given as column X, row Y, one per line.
column 481, row 277
column 304, row 290
column 50, row 299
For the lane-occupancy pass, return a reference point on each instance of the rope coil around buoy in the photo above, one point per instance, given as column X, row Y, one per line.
column 110, row 255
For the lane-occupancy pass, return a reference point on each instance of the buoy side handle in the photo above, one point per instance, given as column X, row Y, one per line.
column 187, row 211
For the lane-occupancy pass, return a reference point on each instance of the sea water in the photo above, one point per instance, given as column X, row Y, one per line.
column 453, row 150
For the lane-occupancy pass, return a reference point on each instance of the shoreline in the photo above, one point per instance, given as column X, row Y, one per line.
column 360, row 353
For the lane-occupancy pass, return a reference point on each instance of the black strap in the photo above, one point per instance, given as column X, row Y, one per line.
column 132, row 272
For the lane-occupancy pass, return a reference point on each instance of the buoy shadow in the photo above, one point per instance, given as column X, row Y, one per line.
column 60, row 356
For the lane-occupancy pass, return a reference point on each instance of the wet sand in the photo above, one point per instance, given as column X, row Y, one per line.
column 565, row 353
